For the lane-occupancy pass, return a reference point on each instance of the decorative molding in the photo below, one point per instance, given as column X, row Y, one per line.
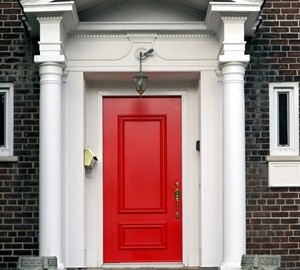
column 282, row 158
column 141, row 36
column 101, row 8
column 9, row 159
column 234, row 18
column 271, row 262
column 36, row 1
column 197, row 14
column 37, row 263
column 49, row 18
column 108, row 6
column 96, row 36
column 187, row 36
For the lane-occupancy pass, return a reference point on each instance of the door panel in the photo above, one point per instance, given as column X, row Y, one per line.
column 148, row 155
column 141, row 171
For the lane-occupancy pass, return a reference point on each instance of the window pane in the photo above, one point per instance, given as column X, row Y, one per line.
column 283, row 119
column 2, row 119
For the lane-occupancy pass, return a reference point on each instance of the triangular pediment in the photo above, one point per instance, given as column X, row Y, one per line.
column 117, row 15
column 110, row 10
column 83, row 4
column 141, row 11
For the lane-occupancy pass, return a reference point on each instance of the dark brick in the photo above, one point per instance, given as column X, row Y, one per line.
column 270, row 211
column 19, row 213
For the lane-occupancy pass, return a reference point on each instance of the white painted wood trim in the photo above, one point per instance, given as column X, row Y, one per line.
column 190, row 226
column 74, row 184
column 7, row 151
column 293, row 148
column 284, row 173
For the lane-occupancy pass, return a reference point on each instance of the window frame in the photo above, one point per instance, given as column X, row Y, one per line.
column 7, row 149
column 292, row 149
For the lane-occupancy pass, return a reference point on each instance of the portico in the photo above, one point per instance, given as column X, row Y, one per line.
column 199, row 57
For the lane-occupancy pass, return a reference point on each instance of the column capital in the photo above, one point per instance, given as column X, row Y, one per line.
column 52, row 38
column 232, row 58
column 51, row 66
column 51, row 72
column 231, row 22
column 61, row 59
column 231, row 65
column 51, row 22
column 233, row 72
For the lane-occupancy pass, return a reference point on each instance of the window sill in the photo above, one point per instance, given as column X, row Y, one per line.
column 284, row 171
column 9, row 159
column 283, row 158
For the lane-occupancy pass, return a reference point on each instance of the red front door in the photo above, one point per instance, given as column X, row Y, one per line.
column 142, row 174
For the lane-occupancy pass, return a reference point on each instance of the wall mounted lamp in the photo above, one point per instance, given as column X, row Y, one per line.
column 140, row 80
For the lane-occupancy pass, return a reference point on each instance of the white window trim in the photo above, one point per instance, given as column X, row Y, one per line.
column 293, row 148
column 7, row 150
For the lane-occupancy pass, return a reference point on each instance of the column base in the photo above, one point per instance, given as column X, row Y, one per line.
column 60, row 266
column 38, row 262
column 229, row 266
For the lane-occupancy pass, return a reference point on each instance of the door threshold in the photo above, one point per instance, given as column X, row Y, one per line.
column 142, row 265
column 148, row 267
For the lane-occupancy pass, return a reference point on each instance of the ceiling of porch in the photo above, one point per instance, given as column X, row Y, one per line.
column 197, row 4
column 191, row 10
column 202, row 5
column 143, row 11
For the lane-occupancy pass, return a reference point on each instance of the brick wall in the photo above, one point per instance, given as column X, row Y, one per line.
column 19, row 180
column 273, row 214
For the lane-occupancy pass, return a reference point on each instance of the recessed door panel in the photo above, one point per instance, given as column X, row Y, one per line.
column 149, row 155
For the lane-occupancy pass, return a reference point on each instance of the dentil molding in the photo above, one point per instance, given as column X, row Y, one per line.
column 49, row 18
column 141, row 36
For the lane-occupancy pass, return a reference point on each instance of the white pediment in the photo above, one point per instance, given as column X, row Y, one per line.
column 135, row 10
column 84, row 4
column 141, row 11
column 140, row 15
column 198, row 4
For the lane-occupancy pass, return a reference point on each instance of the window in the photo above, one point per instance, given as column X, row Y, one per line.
column 284, row 119
column 6, row 119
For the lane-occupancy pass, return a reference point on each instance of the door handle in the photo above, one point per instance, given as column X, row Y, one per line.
column 177, row 198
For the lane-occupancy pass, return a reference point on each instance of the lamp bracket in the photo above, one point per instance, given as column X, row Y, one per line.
column 146, row 54
column 143, row 56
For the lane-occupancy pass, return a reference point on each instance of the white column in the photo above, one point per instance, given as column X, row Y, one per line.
column 234, row 207
column 50, row 234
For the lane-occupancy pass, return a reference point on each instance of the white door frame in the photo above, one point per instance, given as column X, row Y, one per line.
column 94, row 177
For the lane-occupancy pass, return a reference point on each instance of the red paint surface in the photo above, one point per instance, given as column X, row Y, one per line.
column 142, row 163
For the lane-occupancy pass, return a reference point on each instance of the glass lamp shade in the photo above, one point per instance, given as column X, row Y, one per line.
column 140, row 82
